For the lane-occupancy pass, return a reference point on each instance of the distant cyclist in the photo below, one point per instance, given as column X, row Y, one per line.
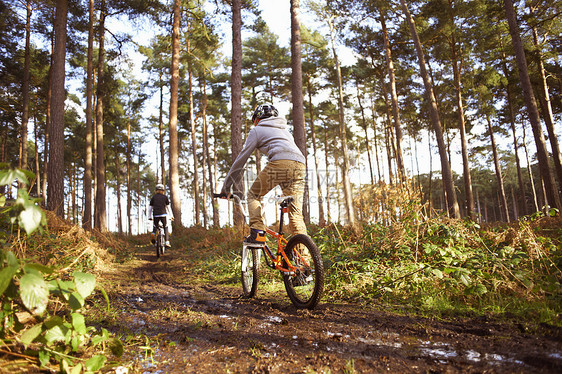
column 286, row 168
column 159, row 209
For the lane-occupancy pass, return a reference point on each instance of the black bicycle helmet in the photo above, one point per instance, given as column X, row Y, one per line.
column 264, row 111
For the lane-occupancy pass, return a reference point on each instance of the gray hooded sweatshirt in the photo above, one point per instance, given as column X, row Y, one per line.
column 272, row 137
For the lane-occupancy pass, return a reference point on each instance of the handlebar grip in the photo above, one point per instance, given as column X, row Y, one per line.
column 219, row 195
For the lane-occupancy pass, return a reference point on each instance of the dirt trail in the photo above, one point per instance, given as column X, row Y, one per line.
column 209, row 328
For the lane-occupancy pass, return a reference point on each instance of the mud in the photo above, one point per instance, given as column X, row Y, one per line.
column 206, row 327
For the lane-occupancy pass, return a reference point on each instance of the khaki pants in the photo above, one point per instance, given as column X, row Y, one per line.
column 287, row 174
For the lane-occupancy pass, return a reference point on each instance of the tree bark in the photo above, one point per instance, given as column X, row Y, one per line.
column 321, row 218
column 530, row 101
column 544, row 100
column 350, row 214
column 174, row 85
column 236, row 88
column 296, row 79
column 161, row 133
column 394, row 100
column 87, row 214
column 55, row 187
column 193, row 145
column 100, row 213
column 499, row 177
column 216, row 221
column 25, row 89
column 462, row 124
column 446, row 172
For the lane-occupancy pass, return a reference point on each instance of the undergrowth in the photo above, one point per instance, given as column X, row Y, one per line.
column 449, row 267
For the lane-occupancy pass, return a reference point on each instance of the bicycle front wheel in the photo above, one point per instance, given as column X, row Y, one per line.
column 250, row 270
column 305, row 287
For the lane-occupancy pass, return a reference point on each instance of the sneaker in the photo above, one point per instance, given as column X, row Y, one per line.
column 255, row 237
column 167, row 244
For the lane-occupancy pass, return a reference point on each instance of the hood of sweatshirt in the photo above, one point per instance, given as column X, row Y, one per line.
column 278, row 122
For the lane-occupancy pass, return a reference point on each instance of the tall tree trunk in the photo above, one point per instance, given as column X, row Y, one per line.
column 462, row 124
column 522, row 201
column 212, row 184
column 47, row 139
column 394, row 100
column 128, row 162
column 321, row 218
column 364, row 127
column 25, row 89
column 100, row 211
column 297, row 99
column 350, row 214
column 193, row 145
column 55, row 187
column 236, row 88
column 87, row 214
column 530, row 171
column 544, row 100
column 326, row 160
column 118, row 192
column 174, row 85
column 37, row 167
column 499, row 177
column 299, row 132
column 542, row 154
column 161, row 132
column 446, row 172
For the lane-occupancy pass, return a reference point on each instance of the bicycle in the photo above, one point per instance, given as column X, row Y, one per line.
column 297, row 259
column 159, row 243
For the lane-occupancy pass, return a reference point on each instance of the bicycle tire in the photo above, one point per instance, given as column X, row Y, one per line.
column 158, row 244
column 250, row 271
column 304, row 288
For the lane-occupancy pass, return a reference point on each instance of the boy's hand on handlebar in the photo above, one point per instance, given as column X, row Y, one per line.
column 223, row 195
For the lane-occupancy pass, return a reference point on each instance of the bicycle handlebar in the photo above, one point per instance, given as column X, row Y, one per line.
column 226, row 196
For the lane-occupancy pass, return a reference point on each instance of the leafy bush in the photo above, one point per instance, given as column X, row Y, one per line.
column 441, row 265
column 40, row 314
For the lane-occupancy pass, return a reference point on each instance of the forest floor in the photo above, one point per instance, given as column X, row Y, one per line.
column 177, row 322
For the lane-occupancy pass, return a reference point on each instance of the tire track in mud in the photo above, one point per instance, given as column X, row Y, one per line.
column 202, row 327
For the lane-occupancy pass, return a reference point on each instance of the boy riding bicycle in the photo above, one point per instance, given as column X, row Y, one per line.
column 286, row 168
column 159, row 209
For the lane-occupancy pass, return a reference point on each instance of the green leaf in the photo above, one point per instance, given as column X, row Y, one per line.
column 85, row 283
column 12, row 259
column 464, row 279
column 75, row 301
column 95, row 363
column 7, row 177
column 56, row 334
column 438, row 273
column 2, row 201
column 44, row 357
column 78, row 323
column 30, row 334
column 77, row 369
column 30, row 218
column 34, row 293
column 116, row 347
column 6, row 276
column 41, row 268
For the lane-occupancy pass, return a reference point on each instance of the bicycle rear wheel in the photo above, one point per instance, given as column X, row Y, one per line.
column 250, row 270
column 159, row 244
column 305, row 287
